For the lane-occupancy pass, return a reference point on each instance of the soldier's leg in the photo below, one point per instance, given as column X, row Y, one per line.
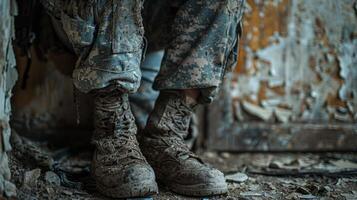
column 142, row 102
column 107, row 35
column 201, row 48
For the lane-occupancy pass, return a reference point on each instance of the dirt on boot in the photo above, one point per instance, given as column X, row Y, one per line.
column 118, row 166
column 163, row 145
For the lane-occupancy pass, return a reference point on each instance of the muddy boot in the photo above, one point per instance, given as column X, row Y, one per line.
column 118, row 167
column 163, row 145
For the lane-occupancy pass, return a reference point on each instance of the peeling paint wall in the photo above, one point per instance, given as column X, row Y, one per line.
column 8, row 76
column 298, row 62
column 294, row 87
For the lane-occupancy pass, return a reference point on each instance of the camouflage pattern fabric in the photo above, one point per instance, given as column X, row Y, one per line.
column 200, row 38
column 142, row 102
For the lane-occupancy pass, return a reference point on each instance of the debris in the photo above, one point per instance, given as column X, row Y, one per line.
column 308, row 196
column 303, row 190
column 52, row 178
column 50, row 191
column 31, row 177
column 66, row 192
column 263, row 113
column 349, row 196
column 251, row 194
column 225, row 155
column 31, row 151
column 285, row 163
column 276, row 165
column 210, row 154
column 10, row 189
column 292, row 195
column 237, row 177
column 344, row 164
column 262, row 161
column 283, row 115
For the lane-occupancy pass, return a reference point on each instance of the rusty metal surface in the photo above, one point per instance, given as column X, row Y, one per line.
column 297, row 68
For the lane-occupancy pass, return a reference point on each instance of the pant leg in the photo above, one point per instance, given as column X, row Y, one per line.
column 142, row 102
column 107, row 35
column 202, row 43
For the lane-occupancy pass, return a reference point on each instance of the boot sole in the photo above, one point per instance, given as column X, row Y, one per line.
column 145, row 189
column 199, row 190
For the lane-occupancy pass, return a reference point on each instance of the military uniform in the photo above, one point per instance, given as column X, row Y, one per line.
column 199, row 37
column 200, row 42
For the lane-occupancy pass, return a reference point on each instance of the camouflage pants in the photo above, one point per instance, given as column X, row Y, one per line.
column 199, row 37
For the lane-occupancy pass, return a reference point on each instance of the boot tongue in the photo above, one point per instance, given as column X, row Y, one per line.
column 190, row 102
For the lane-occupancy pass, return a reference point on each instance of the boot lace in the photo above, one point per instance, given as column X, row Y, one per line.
column 115, row 131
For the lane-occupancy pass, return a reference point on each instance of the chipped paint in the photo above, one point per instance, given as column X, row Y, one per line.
column 305, row 66
column 295, row 84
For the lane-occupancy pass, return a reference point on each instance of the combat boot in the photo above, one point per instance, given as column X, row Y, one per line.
column 163, row 145
column 119, row 168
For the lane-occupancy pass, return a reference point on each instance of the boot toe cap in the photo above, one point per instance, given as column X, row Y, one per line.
column 133, row 181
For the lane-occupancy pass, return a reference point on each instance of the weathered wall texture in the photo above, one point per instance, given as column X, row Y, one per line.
column 299, row 62
column 295, row 86
column 8, row 76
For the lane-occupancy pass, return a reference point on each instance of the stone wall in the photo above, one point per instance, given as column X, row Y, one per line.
column 8, row 76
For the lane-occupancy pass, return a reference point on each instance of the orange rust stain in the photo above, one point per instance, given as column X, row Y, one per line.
column 263, row 21
column 334, row 101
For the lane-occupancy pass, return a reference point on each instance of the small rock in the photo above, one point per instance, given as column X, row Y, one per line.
column 220, row 160
column 251, row 194
column 348, row 196
column 237, row 177
column 66, row 192
column 225, row 155
column 210, row 154
column 308, row 196
column 31, row 177
column 233, row 186
column 52, row 178
column 292, row 196
column 344, row 164
column 50, row 191
column 9, row 189
column 327, row 188
column 276, row 165
column 303, row 190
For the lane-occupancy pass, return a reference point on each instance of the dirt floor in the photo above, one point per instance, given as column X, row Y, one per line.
column 64, row 174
